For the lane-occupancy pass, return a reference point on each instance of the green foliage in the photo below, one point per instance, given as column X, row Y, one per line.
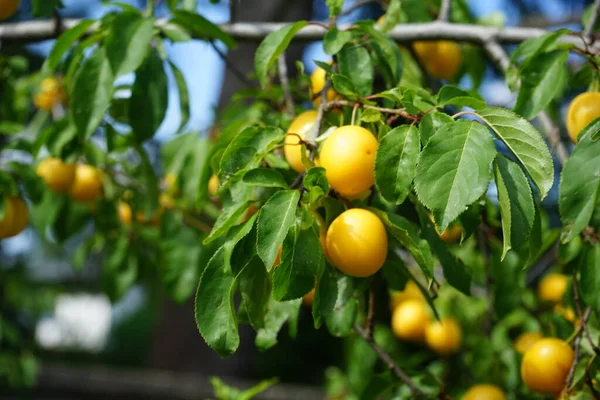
column 155, row 218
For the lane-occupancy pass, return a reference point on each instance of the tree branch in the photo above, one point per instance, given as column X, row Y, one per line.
column 589, row 28
column 370, row 312
column 576, row 348
column 231, row 66
column 498, row 56
column 389, row 361
column 285, row 84
column 345, row 103
column 581, row 314
column 39, row 30
column 445, row 10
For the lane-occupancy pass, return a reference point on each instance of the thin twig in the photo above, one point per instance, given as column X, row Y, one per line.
column 356, row 5
column 314, row 133
column 445, row 10
column 231, row 66
column 498, row 56
column 370, row 312
column 589, row 381
column 285, row 84
column 389, row 361
column 581, row 314
column 396, row 111
column 589, row 28
column 576, row 348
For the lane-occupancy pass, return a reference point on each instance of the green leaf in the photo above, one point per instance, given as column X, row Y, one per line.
column 227, row 218
column 431, row 123
column 530, row 48
column 396, row 163
column 278, row 314
column 265, row 177
column 150, row 94
column 524, row 142
column 45, row 8
column 370, row 115
column 272, row 47
column 542, row 80
column 335, row 7
column 326, row 292
column 393, row 15
column 516, row 203
column 182, row 258
column 453, row 170
column 355, row 63
column 201, row 28
column 334, row 40
column 274, row 220
column 91, row 93
column 247, row 150
column 385, row 52
column 11, row 128
column 64, row 43
column 255, row 287
column 589, row 281
column 456, row 96
column 579, row 183
column 315, row 183
column 128, row 42
column 175, row 33
column 214, row 309
column 340, row 321
column 184, row 96
column 300, row 260
column 455, row 271
column 120, row 269
column 407, row 234
column 344, row 86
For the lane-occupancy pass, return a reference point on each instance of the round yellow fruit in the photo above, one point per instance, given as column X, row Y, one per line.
column 16, row 217
column 409, row 320
column 442, row 59
column 166, row 201
column 87, row 185
column 484, row 392
column 308, row 298
column 583, row 109
column 443, row 337
column 297, row 131
column 410, row 292
column 356, row 243
column 452, row 234
column 8, row 8
column 56, row 174
column 546, row 364
column 213, row 185
column 348, row 156
column 51, row 93
column 125, row 214
column 526, row 340
column 552, row 287
column 317, row 83
column 566, row 312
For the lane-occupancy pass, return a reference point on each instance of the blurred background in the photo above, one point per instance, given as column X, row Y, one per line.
column 146, row 346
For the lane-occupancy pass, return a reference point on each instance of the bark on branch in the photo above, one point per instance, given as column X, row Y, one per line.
column 35, row 31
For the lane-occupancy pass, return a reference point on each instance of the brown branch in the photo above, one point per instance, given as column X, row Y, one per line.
column 445, row 10
column 285, row 84
column 370, row 312
column 581, row 314
column 231, row 66
column 589, row 28
column 346, row 103
column 576, row 348
column 389, row 361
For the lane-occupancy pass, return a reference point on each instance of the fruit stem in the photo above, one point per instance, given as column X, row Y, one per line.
column 354, row 110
